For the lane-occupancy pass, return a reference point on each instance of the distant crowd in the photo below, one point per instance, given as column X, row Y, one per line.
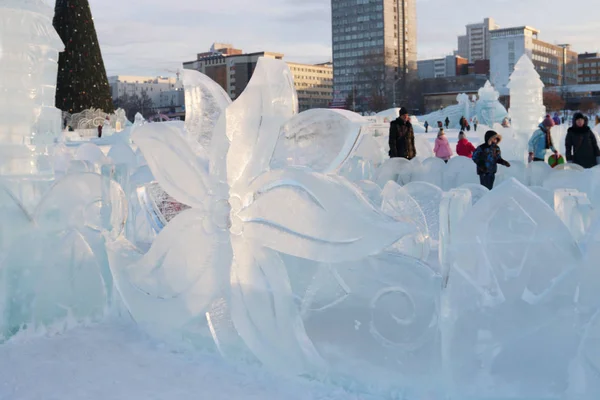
column 580, row 144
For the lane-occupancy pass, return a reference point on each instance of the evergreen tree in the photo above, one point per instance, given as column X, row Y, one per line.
column 82, row 83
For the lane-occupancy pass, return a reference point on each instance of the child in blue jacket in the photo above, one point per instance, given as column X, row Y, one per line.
column 487, row 157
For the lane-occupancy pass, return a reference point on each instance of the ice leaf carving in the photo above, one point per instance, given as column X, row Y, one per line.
column 172, row 162
column 81, row 200
column 321, row 140
column 205, row 100
column 317, row 217
column 263, row 309
column 253, row 121
column 181, row 274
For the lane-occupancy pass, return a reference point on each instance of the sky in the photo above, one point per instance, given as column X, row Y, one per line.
column 154, row 37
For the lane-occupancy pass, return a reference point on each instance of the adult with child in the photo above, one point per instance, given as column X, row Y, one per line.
column 442, row 148
column 541, row 141
column 402, row 137
column 464, row 148
column 487, row 157
column 581, row 144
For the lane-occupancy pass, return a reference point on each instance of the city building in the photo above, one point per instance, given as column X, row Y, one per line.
column 232, row 69
column 475, row 45
column 314, row 84
column 374, row 50
column 164, row 92
column 583, row 97
column 441, row 67
column 589, row 68
column 229, row 67
column 556, row 64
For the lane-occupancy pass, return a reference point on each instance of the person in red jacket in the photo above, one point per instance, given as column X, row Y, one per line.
column 464, row 147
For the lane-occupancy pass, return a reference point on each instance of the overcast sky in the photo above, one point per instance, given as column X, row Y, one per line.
column 149, row 37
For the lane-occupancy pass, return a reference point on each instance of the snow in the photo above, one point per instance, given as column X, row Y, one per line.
column 114, row 361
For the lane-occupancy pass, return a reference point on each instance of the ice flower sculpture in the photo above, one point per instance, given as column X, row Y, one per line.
column 242, row 217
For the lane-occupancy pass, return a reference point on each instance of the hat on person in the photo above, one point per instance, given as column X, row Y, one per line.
column 489, row 135
column 548, row 122
column 403, row 111
column 462, row 135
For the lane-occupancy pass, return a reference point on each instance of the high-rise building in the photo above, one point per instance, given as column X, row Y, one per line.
column 374, row 50
column 475, row 45
column 589, row 68
column 556, row 64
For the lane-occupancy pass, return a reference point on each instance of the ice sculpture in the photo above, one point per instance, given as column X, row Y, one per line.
column 465, row 104
column 509, row 309
column 488, row 108
column 459, row 171
column 428, row 197
column 395, row 169
column 400, row 205
column 430, row 171
column 526, row 103
column 205, row 100
column 242, row 216
column 314, row 138
column 29, row 48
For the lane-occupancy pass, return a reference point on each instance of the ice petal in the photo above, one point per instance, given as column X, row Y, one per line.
column 173, row 163
column 264, row 312
column 318, row 139
column 254, row 120
column 182, row 273
column 205, row 100
column 314, row 216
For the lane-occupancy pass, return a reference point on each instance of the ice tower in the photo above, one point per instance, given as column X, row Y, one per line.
column 29, row 48
column 526, row 97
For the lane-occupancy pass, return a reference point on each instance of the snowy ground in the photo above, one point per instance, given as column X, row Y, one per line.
column 113, row 362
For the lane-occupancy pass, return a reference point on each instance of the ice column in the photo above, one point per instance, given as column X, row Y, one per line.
column 29, row 48
column 526, row 98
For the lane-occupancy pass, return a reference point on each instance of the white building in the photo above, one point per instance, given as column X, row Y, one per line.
column 155, row 88
column 556, row 64
column 475, row 45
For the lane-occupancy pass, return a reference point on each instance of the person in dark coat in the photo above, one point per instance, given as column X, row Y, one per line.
column 581, row 144
column 487, row 157
column 99, row 130
column 426, row 125
column 447, row 122
column 402, row 137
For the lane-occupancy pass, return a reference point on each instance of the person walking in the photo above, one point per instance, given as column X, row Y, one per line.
column 581, row 144
column 487, row 157
column 442, row 148
column 447, row 122
column 464, row 148
column 426, row 125
column 541, row 141
column 475, row 122
column 402, row 137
